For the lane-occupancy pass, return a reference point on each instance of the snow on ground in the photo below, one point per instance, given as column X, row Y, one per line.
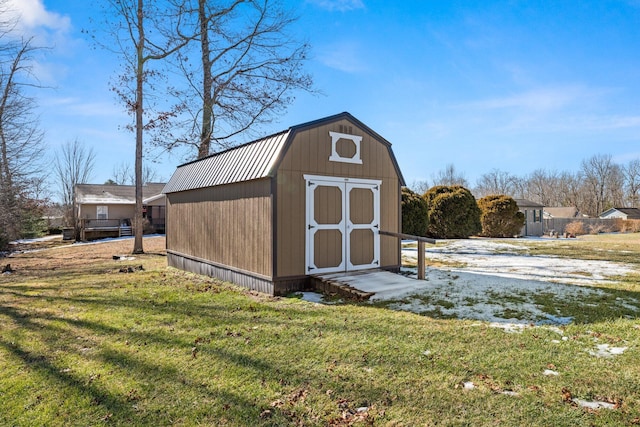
column 483, row 256
column 492, row 281
column 36, row 239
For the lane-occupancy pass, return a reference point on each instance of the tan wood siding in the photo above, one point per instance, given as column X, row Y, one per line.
column 309, row 153
column 114, row 211
column 227, row 225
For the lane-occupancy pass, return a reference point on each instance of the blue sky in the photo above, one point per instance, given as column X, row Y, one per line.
column 509, row 85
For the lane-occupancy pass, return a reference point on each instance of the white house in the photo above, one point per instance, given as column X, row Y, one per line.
column 622, row 213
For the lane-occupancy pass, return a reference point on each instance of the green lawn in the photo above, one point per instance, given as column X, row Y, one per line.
column 84, row 344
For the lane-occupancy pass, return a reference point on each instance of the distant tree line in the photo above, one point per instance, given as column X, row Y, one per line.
column 598, row 185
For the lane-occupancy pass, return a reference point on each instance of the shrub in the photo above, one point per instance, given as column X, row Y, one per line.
column 599, row 228
column 630, row 226
column 575, row 228
column 453, row 212
column 499, row 216
column 414, row 213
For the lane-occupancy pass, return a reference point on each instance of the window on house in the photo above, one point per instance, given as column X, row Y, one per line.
column 102, row 212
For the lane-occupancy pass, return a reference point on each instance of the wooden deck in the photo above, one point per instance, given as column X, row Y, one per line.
column 91, row 229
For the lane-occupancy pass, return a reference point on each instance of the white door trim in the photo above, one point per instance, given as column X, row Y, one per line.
column 345, row 226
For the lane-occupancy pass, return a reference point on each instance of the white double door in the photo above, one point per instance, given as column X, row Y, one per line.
column 342, row 224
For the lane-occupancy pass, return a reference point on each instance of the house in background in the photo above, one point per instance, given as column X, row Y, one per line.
column 562, row 212
column 269, row 214
column 622, row 213
column 105, row 210
column 533, row 214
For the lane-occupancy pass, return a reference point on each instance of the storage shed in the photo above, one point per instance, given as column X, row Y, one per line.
column 269, row 214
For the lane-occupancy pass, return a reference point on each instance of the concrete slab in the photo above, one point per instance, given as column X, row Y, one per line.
column 378, row 282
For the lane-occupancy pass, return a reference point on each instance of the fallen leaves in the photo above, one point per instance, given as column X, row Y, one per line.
column 131, row 269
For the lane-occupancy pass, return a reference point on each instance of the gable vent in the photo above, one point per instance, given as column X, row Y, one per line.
column 345, row 129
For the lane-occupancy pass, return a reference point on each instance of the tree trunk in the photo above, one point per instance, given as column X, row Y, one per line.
column 207, row 97
column 137, row 221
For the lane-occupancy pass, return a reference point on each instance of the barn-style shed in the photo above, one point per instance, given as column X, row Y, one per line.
column 269, row 214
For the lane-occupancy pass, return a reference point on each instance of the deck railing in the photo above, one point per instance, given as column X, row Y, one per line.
column 100, row 223
column 421, row 241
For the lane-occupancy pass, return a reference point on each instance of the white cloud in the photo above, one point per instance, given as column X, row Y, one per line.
column 33, row 15
column 343, row 56
column 541, row 99
column 339, row 5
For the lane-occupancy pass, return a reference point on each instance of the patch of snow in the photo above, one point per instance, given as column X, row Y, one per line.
column 605, row 350
column 113, row 239
column 312, row 297
column 500, row 282
column 496, row 258
column 37, row 239
column 509, row 327
column 594, row 404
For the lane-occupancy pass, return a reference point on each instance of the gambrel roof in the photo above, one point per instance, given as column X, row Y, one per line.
column 254, row 160
column 244, row 163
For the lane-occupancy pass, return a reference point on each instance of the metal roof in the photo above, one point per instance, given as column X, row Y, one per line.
column 254, row 160
column 115, row 194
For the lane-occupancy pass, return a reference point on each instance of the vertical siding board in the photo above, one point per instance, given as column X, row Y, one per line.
column 216, row 229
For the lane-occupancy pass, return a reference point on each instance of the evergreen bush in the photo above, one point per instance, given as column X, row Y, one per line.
column 415, row 218
column 499, row 216
column 453, row 212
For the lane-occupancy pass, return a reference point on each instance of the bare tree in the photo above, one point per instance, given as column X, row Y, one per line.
column 496, row 182
column 450, row 176
column 242, row 68
column 73, row 165
column 541, row 187
column 420, row 186
column 144, row 33
column 631, row 173
column 600, row 176
column 122, row 174
column 21, row 140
